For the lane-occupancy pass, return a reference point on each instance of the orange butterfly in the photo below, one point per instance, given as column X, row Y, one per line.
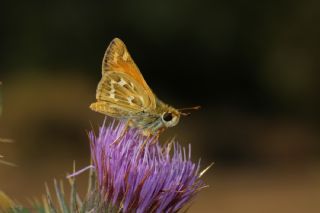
column 124, row 94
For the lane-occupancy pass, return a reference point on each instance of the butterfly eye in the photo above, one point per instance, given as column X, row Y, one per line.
column 167, row 116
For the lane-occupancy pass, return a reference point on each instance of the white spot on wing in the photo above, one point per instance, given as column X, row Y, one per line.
column 125, row 56
column 112, row 95
column 122, row 82
column 130, row 98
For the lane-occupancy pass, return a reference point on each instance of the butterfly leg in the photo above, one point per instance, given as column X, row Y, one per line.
column 155, row 139
column 157, row 135
column 145, row 142
column 148, row 139
column 125, row 129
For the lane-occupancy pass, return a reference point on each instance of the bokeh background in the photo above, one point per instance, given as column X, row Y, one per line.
column 253, row 66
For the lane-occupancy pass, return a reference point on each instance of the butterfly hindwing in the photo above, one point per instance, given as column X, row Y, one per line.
column 122, row 91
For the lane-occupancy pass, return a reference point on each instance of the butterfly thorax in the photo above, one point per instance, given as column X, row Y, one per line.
column 154, row 122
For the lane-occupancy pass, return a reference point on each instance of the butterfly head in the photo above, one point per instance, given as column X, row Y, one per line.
column 171, row 117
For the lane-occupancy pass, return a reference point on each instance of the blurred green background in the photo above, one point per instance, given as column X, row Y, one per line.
column 253, row 66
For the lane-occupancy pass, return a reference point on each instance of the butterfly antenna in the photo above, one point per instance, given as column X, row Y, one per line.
column 188, row 108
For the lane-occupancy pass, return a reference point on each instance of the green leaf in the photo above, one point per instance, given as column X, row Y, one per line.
column 49, row 200
column 60, row 196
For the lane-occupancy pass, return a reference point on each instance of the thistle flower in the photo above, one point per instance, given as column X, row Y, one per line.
column 139, row 175
column 135, row 174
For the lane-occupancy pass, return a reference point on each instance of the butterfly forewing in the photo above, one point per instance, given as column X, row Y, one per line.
column 117, row 58
column 122, row 90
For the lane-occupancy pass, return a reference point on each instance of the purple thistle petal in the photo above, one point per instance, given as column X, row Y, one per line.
column 140, row 175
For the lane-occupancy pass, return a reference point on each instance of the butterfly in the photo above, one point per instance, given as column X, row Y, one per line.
column 124, row 94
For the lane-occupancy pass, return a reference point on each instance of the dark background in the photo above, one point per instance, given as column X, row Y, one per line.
column 253, row 66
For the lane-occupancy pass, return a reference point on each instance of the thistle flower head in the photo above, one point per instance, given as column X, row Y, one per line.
column 140, row 175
